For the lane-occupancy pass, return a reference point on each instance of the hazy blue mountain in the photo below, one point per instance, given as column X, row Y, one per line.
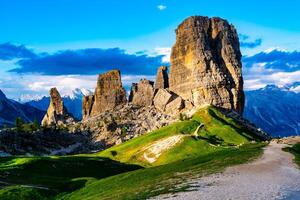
column 275, row 110
column 10, row 110
column 72, row 101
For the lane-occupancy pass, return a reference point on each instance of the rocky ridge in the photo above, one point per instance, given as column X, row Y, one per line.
column 124, row 122
column 205, row 70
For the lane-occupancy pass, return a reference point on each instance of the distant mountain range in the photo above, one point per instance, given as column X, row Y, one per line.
column 275, row 109
column 72, row 101
column 10, row 110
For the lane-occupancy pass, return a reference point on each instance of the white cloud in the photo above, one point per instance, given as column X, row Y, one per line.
column 161, row 7
column 165, row 51
column 259, row 80
column 29, row 87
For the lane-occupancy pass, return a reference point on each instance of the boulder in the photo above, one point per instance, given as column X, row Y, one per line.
column 175, row 106
column 206, row 64
column 162, row 80
column 141, row 94
column 161, row 99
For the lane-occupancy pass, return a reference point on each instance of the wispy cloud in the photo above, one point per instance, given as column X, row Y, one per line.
column 161, row 7
column 165, row 52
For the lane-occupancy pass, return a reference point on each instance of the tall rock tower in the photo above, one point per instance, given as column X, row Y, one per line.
column 206, row 63
column 57, row 113
column 109, row 93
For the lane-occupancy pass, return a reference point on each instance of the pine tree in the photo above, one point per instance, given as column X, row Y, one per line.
column 19, row 124
column 36, row 124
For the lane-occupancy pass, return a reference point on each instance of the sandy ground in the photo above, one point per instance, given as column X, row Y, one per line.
column 272, row 176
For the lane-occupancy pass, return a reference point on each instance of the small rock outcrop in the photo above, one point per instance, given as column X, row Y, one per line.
column 56, row 114
column 109, row 93
column 141, row 94
column 206, row 64
column 162, row 80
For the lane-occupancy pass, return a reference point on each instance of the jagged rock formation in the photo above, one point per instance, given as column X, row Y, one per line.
column 206, row 63
column 141, row 94
column 72, row 101
column 56, row 114
column 162, row 79
column 109, row 93
column 124, row 122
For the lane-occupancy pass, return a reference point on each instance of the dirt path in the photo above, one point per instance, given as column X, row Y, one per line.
column 273, row 176
column 153, row 151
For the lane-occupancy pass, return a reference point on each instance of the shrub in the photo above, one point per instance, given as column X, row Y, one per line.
column 123, row 131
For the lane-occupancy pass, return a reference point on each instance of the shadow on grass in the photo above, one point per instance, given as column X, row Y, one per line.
column 61, row 174
column 241, row 130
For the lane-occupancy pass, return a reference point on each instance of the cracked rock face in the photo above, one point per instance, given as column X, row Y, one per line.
column 206, row 64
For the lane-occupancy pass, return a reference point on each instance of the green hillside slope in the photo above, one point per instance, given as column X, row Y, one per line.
column 207, row 131
column 148, row 165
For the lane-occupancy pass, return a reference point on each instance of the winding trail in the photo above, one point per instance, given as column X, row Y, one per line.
column 273, row 176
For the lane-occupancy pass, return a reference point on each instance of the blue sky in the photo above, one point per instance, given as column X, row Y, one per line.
column 65, row 43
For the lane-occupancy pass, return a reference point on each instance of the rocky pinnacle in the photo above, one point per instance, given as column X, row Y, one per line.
column 206, row 63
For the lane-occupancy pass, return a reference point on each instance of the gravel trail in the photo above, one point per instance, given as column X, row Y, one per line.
column 273, row 176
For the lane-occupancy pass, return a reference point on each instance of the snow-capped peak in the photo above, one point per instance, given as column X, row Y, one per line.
column 29, row 97
column 294, row 87
column 86, row 92
column 77, row 93
column 269, row 50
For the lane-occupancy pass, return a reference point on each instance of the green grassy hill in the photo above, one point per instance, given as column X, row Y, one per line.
column 207, row 131
column 148, row 165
